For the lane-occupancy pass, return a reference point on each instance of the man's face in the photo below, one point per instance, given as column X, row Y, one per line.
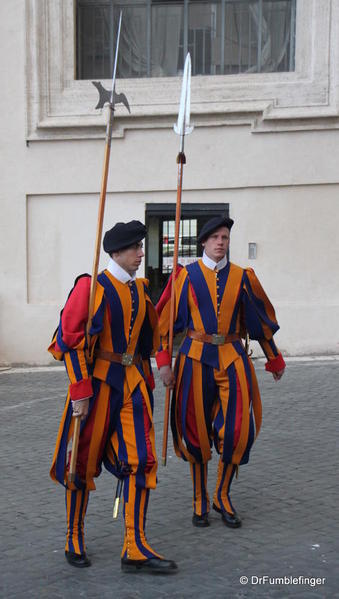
column 130, row 258
column 217, row 244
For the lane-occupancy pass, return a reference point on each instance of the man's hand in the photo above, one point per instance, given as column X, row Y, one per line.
column 277, row 375
column 80, row 408
column 167, row 376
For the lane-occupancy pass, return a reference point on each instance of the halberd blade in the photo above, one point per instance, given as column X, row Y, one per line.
column 105, row 97
column 111, row 97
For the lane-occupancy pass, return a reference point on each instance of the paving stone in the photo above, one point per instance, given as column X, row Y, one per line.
column 287, row 497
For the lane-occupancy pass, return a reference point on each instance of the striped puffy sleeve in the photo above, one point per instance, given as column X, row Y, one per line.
column 260, row 320
column 181, row 313
column 69, row 342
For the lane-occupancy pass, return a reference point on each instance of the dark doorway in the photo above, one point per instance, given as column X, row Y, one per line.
column 160, row 222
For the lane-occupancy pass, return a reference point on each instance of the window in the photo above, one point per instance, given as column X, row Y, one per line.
column 160, row 222
column 223, row 37
column 60, row 106
column 187, row 251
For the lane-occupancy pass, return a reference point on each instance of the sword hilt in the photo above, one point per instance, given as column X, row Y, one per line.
column 117, row 499
column 116, row 508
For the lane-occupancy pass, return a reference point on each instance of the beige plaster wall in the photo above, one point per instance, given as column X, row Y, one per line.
column 282, row 189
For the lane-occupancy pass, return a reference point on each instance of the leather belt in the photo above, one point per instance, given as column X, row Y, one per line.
column 124, row 359
column 214, row 339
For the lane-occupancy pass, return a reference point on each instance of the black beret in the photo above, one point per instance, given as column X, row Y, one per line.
column 213, row 224
column 123, row 235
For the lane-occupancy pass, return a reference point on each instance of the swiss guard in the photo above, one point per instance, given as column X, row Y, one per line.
column 216, row 398
column 110, row 390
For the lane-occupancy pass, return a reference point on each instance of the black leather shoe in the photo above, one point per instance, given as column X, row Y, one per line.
column 231, row 520
column 76, row 560
column 154, row 565
column 200, row 521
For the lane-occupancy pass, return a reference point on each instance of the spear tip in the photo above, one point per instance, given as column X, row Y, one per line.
column 182, row 127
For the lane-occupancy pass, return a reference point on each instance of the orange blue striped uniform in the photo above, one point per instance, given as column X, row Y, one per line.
column 118, row 431
column 216, row 398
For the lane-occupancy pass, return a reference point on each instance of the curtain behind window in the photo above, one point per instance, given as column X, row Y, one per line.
column 251, row 38
column 150, row 47
column 276, row 32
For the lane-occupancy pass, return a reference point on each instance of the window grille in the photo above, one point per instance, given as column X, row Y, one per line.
column 188, row 245
column 223, row 37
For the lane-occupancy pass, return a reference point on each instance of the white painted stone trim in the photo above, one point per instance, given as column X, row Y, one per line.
column 60, row 107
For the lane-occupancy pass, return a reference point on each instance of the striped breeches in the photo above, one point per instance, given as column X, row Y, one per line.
column 215, row 406
column 119, row 433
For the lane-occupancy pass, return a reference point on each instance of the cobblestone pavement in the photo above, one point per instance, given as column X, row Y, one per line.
column 287, row 497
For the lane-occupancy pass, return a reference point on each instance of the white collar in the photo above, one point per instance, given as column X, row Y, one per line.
column 119, row 273
column 214, row 265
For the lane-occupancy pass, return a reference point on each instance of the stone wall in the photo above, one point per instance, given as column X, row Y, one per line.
column 267, row 144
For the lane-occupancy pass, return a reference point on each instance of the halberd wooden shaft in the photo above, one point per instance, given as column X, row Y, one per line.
column 100, row 220
column 181, row 161
column 182, row 128
column 74, row 454
column 101, row 212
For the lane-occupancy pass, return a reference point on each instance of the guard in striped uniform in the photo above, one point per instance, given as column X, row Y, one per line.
column 216, row 397
column 110, row 388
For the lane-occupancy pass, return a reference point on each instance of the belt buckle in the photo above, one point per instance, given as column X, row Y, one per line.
column 126, row 359
column 218, row 339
